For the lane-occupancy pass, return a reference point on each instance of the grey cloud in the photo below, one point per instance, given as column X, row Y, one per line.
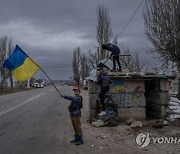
column 49, row 30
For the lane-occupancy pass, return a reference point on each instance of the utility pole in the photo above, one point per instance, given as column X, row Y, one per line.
column 98, row 49
column 28, row 83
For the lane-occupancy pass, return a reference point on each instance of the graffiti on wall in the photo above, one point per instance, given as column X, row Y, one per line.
column 126, row 87
column 118, row 87
column 128, row 94
column 129, row 100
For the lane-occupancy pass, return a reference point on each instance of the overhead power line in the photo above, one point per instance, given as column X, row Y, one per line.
column 130, row 18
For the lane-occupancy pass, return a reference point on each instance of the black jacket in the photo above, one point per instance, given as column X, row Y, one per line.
column 112, row 48
column 103, row 80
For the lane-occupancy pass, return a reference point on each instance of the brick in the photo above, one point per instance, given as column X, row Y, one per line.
column 137, row 113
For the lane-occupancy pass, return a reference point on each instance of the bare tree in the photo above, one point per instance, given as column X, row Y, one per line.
column 9, row 52
column 3, row 53
column 135, row 62
column 76, row 65
column 162, row 20
column 168, row 67
column 127, row 61
column 84, row 67
column 140, row 62
column 115, row 39
column 92, row 59
column 104, row 30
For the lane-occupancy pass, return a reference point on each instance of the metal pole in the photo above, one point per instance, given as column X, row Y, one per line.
column 51, row 81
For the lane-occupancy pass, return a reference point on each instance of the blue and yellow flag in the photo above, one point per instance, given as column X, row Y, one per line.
column 21, row 65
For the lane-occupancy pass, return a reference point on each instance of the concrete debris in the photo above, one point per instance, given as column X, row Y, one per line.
column 134, row 74
column 112, row 122
column 101, row 137
column 109, row 115
column 110, row 118
column 130, row 121
column 146, row 123
column 158, row 124
column 136, row 124
column 98, row 123
column 165, row 123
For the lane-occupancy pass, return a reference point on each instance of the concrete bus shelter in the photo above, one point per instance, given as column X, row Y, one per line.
column 137, row 96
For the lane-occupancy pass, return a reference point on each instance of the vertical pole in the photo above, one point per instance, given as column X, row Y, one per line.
column 51, row 81
column 28, row 83
column 98, row 53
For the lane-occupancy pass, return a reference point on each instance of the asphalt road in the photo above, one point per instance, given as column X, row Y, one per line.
column 35, row 122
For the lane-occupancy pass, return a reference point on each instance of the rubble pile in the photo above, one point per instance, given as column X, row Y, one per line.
column 173, row 111
column 109, row 119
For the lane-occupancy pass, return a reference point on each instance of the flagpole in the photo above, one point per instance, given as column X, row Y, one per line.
column 51, row 81
column 46, row 75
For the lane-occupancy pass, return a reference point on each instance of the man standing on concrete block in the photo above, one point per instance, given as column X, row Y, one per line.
column 103, row 81
column 115, row 51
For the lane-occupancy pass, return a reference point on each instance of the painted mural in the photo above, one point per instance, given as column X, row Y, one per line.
column 118, row 87
column 128, row 94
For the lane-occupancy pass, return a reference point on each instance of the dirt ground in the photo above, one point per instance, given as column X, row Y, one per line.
column 122, row 139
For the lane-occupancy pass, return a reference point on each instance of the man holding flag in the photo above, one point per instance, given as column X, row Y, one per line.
column 23, row 68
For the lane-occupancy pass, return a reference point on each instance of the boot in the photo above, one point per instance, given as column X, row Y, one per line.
column 75, row 138
column 80, row 140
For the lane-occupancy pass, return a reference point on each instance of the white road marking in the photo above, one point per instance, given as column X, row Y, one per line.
column 18, row 105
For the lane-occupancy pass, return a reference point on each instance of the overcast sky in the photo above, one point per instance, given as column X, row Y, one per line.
column 49, row 30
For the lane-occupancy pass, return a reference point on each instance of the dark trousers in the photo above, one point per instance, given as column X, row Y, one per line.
column 102, row 96
column 76, row 123
column 116, row 59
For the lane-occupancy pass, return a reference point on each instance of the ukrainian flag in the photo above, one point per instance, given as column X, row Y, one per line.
column 21, row 65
